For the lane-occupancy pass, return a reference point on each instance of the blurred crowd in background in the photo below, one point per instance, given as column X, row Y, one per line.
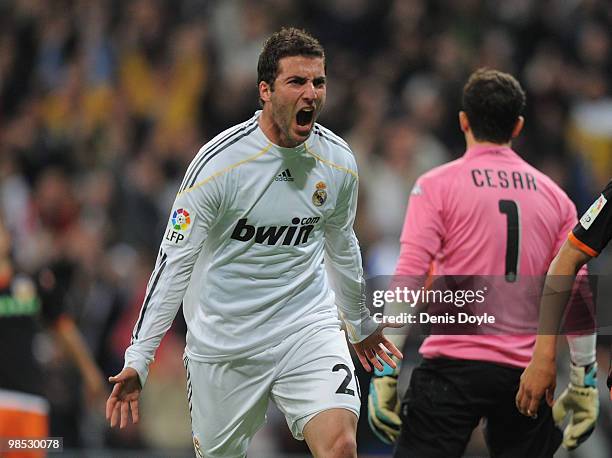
column 103, row 103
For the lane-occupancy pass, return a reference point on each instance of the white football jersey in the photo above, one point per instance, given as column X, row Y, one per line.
column 256, row 239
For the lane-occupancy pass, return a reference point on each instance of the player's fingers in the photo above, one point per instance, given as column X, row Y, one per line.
column 116, row 392
column 134, row 407
column 386, row 358
column 365, row 364
column 522, row 406
column 124, row 414
column 368, row 353
column 534, row 405
column 117, row 389
column 391, row 348
column 583, row 428
column 373, row 357
column 376, row 363
column 362, row 358
column 519, row 394
column 521, row 400
column 115, row 415
column 113, row 399
column 120, row 377
column 110, row 405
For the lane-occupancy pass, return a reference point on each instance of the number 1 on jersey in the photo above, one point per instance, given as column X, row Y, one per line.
column 511, row 210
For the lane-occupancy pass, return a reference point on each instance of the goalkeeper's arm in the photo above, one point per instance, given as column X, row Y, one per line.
column 580, row 400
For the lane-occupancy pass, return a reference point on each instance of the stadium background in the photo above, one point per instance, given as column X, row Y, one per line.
column 104, row 102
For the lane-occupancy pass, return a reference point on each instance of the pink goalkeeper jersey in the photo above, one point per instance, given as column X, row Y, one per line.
column 457, row 223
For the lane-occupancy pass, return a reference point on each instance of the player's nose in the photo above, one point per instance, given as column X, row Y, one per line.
column 310, row 91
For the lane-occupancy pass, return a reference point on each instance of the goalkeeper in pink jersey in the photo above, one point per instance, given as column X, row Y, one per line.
column 487, row 213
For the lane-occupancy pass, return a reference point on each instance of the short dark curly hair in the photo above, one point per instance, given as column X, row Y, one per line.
column 287, row 42
column 493, row 101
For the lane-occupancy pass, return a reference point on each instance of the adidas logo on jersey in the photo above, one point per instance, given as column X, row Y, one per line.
column 297, row 234
column 285, row 175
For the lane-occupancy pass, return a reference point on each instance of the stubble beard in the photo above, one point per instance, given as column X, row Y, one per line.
column 283, row 121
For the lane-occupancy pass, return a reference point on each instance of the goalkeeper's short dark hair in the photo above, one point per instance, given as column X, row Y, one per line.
column 493, row 101
column 287, row 42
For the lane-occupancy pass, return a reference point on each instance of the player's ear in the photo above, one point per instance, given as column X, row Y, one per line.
column 464, row 122
column 520, row 122
column 265, row 91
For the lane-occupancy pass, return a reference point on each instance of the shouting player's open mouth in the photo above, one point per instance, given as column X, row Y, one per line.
column 305, row 120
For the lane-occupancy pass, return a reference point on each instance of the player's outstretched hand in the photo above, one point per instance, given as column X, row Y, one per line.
column 537, row 380
column 376, row 344
column 123, row 398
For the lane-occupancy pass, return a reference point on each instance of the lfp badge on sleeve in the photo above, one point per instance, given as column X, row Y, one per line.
column 179, row 226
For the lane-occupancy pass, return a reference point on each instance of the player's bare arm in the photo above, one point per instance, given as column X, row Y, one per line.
column 539, row 378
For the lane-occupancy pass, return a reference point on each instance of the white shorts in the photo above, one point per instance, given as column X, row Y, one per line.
column 307, row 373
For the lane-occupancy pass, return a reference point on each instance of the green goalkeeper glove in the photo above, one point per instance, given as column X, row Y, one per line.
column 580, row 401
column 383, row 405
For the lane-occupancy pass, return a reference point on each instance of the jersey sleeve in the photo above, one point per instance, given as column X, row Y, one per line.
column 344, row 267
column 192, row 215
column 423, row 230
column 594, row 230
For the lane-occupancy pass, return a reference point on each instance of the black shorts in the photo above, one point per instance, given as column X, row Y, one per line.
column 447, row 399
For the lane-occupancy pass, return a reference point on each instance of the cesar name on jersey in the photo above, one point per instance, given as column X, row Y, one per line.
column 503, row 179
column 271, row 235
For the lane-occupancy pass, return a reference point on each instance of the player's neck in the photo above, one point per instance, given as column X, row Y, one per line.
column 272, row 131
column 267, row 126
column 471, row 142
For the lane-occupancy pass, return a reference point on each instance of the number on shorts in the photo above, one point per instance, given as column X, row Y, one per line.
column 343, row 388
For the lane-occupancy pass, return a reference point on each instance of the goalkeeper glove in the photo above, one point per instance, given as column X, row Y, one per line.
column 383, row 405
column 580, row 402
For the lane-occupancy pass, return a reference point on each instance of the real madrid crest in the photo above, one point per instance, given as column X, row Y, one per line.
column 320, row 195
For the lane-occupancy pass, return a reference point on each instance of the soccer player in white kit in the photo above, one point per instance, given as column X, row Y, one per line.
column 260, row 232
